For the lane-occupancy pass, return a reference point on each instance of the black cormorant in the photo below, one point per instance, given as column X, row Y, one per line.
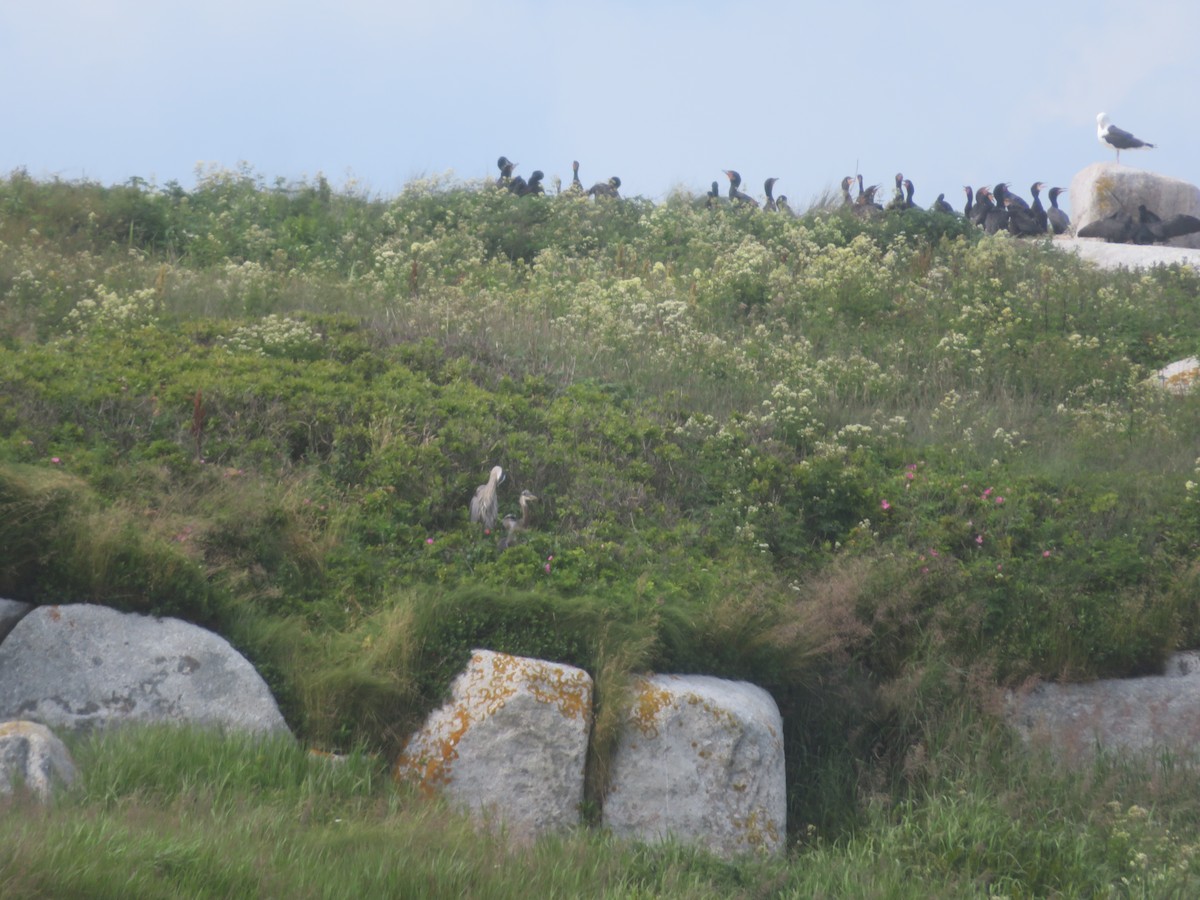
column 576, row 185
column 940, row 205
column 1039, row 211
column 897, row 201
column 768, row 189
column 847, row 200
column 506, row 171
column 1059, row 220
column 735, row 195
column 606, row 188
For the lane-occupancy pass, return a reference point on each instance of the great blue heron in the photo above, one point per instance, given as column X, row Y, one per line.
column 483, row 504
column 513, row 525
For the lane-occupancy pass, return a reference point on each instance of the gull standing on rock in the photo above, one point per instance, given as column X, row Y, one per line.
column 1117, row 138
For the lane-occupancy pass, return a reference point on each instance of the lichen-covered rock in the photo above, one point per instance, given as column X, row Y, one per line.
column 33, row 756
column 700, row 760
column 1178, row 377
column 82, row 666
column 1104, row 188
column 11, row 612
column 1127, row 714
column 510, row 745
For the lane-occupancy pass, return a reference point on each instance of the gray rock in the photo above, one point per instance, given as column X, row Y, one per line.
column 11, row 612
column 31, row 755
column 82, row 666
column 1128, row 256
column 700, row 760
column 1126, row 714
column 1104, row 188
column 510, row 745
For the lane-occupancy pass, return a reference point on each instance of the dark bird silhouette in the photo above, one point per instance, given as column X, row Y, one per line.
column 847, row 200
column 864, row 203
column 735, row 195
column 483, row 504
column 995, row 217
column 512, row 525
column 576, row 185
column 768, row 189
column 534, row 185
column 1039, row 211
column 969, row 208
column 1115, row 229
column 606, row 188
column 897, row 201
column 907, row 203
column 1117, row 138
column 1059, row 220
column 506, row 171
column 940, row 205
column 713, row 198
column 1161, row 230
column 782, row 203
column 1021, row 220
column 1002, row 195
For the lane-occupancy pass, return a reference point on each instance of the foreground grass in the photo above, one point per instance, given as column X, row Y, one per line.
column 163, row 812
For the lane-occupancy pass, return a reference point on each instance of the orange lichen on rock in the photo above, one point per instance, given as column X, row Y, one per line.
column 490, row 681
column 647, row 706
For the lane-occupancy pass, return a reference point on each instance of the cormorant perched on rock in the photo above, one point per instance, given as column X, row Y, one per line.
column 897, row 201
column 995, row 217
column 864, row 203
column 1147, row 228
column 735, row 195
column 576, row 185
column 506, row 171
column 1159, row 229
column 1002, row 195
column 1039, row 211
column 1059, row 220
column 713, row 198
column 847, row 200
column 606, row 188
column 1111, row 136
column 768, row 189
column 1021, row 221
column 940, row 205
column 534, row 185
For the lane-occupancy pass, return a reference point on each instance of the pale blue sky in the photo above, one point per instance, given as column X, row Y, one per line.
column 663, row 94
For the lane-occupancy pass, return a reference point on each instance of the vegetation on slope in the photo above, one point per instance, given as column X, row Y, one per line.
column 875, row 466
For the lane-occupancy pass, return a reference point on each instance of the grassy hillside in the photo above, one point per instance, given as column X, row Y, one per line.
column 879, row 468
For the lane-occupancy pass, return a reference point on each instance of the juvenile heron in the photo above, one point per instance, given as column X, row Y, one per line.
column 513, row 525
column 483, row 504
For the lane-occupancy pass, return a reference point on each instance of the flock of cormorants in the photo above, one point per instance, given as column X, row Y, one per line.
column 521, row 187
column 991, row 209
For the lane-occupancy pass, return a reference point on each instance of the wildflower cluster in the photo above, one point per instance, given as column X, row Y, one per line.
column 276, row 336
column 108, row 311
